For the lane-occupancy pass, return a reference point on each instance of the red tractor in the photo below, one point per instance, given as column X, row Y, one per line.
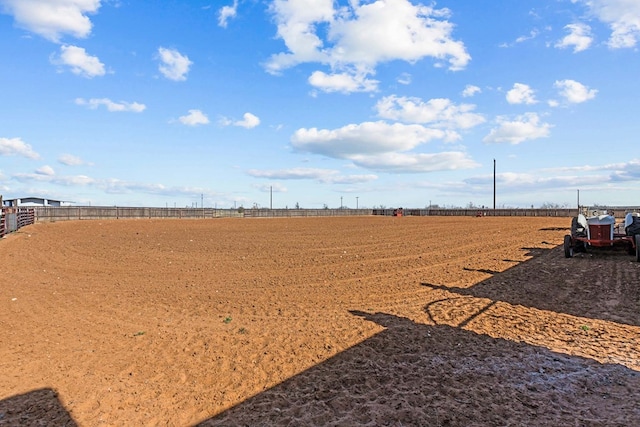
column 601, row 231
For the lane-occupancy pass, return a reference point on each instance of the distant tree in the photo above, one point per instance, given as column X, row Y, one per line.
column 551, row 205
column 325, row 206
column 297, row 205
column 470, row 205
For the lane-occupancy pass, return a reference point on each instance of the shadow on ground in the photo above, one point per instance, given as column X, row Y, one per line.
column 36, row 408
column 599, row 285
column 415, row 374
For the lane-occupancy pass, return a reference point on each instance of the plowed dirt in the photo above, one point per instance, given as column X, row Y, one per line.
column 316, row 321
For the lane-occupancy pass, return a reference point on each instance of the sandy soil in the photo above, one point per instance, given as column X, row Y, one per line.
column 368, row 321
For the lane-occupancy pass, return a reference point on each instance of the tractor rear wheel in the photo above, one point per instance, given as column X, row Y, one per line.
column 577, row 230
column 568, row 247
column 637, row 238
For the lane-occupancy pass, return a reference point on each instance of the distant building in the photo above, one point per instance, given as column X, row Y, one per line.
column 32, row 201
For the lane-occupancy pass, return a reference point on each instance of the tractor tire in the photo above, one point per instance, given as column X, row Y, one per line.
column 568, row 247
column 634, row 227
column 637, row 238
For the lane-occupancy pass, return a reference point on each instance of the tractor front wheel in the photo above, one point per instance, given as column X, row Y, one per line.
column 568, row 247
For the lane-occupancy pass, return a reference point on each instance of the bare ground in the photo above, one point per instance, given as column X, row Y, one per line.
column 316, row 321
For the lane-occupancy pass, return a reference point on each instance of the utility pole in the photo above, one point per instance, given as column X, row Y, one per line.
column 340, row 202
column 494, row 184
column 271, row 197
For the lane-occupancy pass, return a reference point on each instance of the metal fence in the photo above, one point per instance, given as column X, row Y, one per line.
column 12, row 219
column 289, row 213
column 480, row 212
column 49, row 213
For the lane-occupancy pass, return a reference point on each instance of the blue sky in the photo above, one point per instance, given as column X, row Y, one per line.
column 319, row 102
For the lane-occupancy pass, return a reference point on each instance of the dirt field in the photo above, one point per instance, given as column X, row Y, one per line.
column 367, row 321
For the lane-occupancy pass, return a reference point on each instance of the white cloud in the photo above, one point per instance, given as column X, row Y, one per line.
column 342, row 82
column 579, row 37
column 71, row 160
column 524, row 127
column 439, row 112
column 369, row 138
column 94, row 103
column 601, row 178
column 470, row 90
column 293, row 173
column 521, row 94
column 342, row 39
column 41, row 175
column 532, row 35
column 52, row 18
column 74, row 180
column 45, row 170
column 622, row 16
column 327, row 176
column 575, row 92
column 17, row 147
column 416, row 162
column 227, row 12
column 404, row 79
column 626, row 171
column 79, row 61
column 111, row 185
column 174, row 65
column 352, row 179
column 117, row 186
column 194, row 118
column 629, row 171
column 518, row 182
column 382, row 146
column 249, row 121
column 403, row 31
column 275, row 187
